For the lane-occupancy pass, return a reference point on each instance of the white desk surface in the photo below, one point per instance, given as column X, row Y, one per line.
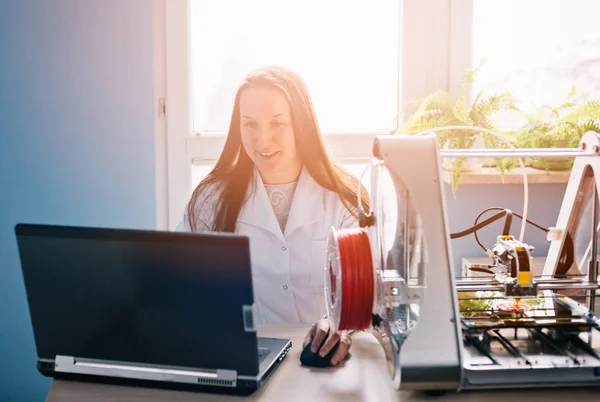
column 363, row 377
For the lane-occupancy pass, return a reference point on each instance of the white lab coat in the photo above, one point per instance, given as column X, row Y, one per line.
column 287, row 268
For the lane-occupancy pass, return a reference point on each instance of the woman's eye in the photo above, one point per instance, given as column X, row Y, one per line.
column 278, row 124
column 250, row 124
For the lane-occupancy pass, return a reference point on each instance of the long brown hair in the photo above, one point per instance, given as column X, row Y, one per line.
column 232, row 173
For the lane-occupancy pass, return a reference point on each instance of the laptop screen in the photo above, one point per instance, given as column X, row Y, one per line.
column 139, row 296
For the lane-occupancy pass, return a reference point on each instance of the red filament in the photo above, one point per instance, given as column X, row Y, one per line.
column 356, row 265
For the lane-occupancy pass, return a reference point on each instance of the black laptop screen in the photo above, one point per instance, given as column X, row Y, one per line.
column 144, row 297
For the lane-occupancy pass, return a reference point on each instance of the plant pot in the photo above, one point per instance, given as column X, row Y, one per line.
column 552, row 164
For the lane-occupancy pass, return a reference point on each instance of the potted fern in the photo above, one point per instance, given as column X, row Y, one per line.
column 561, row 126
column 440, row 109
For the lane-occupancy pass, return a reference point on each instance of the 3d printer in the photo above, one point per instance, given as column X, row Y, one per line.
column 505, row 328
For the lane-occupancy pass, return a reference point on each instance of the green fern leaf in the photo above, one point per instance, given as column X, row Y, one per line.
column 591, row 126
column 456, row 173
column 461, row 113
column 571, row 94
column 588, row 111
column 470, row 75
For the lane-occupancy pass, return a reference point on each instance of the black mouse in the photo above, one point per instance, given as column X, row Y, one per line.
column 308, row 358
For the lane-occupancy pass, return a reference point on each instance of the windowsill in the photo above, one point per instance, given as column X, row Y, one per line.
column 490, row 175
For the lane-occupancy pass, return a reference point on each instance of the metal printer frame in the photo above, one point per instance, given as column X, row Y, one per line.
column 464, row 339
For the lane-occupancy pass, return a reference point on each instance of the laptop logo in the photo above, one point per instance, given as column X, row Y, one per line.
column 248, row 317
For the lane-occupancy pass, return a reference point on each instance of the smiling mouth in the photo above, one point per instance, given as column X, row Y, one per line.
column 267, row 154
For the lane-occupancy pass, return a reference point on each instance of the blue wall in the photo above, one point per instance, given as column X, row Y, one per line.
column 77, row 140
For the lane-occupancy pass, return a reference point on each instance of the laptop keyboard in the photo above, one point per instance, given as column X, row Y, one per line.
column 262, row 354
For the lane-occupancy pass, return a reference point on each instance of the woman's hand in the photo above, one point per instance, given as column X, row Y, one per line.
column 323, row 341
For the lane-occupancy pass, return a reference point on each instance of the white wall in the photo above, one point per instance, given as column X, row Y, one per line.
column 77, row 140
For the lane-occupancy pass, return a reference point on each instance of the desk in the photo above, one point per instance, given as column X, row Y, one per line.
column 363, row 377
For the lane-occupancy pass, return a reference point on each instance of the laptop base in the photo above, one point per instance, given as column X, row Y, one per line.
column 244, row 386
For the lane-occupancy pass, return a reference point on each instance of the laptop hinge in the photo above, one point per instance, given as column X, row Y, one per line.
column 69, row 364
column 249, row 314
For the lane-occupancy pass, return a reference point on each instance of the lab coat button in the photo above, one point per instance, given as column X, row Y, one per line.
column 285, row 287
column 283, row 248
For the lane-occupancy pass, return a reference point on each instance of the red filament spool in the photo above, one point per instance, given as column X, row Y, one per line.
column 351, row 280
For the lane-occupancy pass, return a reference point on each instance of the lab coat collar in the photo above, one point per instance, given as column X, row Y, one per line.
column 307, row 205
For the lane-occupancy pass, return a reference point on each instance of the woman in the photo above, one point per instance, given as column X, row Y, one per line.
column 275, row 183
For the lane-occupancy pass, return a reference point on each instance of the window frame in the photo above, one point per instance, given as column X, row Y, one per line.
column 419, row 73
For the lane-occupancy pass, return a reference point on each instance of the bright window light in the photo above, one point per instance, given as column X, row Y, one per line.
column 346, row 51
column 538, row 49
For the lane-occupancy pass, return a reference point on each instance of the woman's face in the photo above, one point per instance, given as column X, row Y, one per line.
column 268, row 135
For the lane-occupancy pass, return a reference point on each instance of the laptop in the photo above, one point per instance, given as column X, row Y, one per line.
column 151, row 308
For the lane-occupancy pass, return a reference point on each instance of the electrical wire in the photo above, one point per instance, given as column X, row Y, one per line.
column 505, row 211
column 515, row 214
column 480, row 225
column 567, row 255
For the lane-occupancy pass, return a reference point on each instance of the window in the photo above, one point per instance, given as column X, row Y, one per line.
column 363, row 62
column 537, row 49
column 347, row 52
